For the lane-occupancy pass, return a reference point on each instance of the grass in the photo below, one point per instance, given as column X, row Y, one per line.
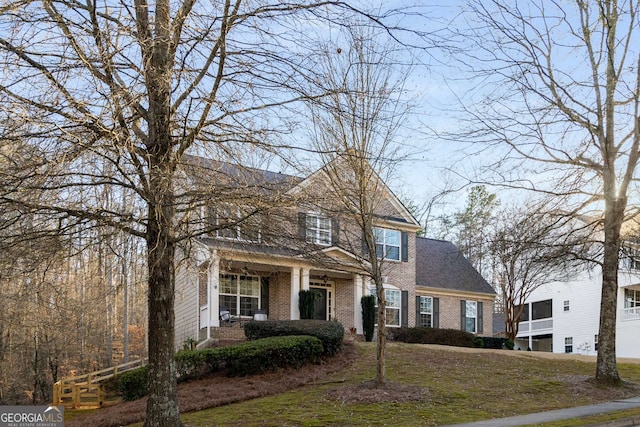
column 463, row 387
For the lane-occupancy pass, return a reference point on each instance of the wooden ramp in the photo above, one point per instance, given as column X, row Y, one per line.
column 85, row 391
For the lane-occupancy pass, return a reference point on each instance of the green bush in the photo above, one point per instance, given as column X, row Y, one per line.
column 497, row 343
column 330, row 333
column 422, row 335
column 252, row 357
column 255, row 357
column 134, row 384
column 198, row 363
column 368, row 303
column 478, row 342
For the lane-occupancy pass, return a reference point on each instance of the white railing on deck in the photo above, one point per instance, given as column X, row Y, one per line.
column 632, row 313
column 536, row 325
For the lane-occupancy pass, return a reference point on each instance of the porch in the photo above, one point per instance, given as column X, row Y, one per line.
column 270, row 288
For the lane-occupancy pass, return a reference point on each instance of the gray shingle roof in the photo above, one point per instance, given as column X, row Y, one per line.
column 205, row 171
column 440, row 264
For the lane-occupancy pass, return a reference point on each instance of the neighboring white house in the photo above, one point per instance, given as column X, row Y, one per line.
column 563, row 317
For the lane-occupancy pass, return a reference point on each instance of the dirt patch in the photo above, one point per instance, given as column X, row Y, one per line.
column 218, row 390
column 369, row 392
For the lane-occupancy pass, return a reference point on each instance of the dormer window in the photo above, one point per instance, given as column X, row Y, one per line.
column 318, row 229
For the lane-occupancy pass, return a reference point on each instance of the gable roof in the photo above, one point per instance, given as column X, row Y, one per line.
column 203, row 171
column 440, row 264
column 402, row 214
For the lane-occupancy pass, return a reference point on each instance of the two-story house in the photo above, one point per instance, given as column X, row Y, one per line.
column 256, row 268
column 563, row 317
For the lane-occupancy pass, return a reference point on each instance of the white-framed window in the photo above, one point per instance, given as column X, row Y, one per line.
column 240, row 294
column 632, row 258
column 595, row 342
column 566, row 305
column 388, row 243
column 631, row 298
column 393, row 298
column 318, row 229
column 568, row 344
column 471, row 317
column 237, row 224
column 426, row 312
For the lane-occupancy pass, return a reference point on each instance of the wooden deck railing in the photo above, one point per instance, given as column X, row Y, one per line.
column 85, row 391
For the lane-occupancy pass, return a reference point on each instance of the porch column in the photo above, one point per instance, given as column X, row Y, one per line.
column 295, row 288
column 214, row 292
column 358, row 292
column 305, row 279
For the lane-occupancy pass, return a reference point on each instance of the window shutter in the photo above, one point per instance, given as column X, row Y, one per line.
column 404, row 246
column 264, row 294
column 463, row 314
column 404, row 308
column 418, row 310
column 302, row 226
column 479, row 318
column 435, row 305
column 335, row 231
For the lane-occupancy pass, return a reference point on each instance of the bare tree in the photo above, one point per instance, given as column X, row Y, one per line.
column 354, row 130
column 129, row 89
column 530, row 245
column 560, row 90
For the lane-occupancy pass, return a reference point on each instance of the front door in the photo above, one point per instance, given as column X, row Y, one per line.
column 323, row 304
column 320, row 304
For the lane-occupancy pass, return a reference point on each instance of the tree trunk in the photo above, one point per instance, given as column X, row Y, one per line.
column 606, row 367
column 162, row 404
column 381, row 368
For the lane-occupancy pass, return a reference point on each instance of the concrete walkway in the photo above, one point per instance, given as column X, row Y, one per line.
column 564, row 414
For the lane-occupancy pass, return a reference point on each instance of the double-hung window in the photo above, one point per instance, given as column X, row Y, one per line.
column 425, row 316
column 631, row 298
column 568, row 344
column 471, row 316
column 318, row 229
column 240, row 294
column 387, row 243
column 237, row 224
column 393, row 299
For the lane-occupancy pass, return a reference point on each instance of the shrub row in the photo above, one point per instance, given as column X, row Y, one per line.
column 497, row 343
column 330, row 333
column 255, row 357
column 249, row 358
column 422, row 335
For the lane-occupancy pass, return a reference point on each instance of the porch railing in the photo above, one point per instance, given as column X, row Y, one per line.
column 535, row 326
column 85, row 391
column 632, row 313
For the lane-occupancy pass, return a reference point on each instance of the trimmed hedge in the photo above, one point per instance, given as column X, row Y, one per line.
column 422, row 335
column 134, row 384
column 249, row 358
column 497, row 343
column 255, row 357
column 330, row 333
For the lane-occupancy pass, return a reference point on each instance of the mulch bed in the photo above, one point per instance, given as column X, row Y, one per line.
column 218, row 390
